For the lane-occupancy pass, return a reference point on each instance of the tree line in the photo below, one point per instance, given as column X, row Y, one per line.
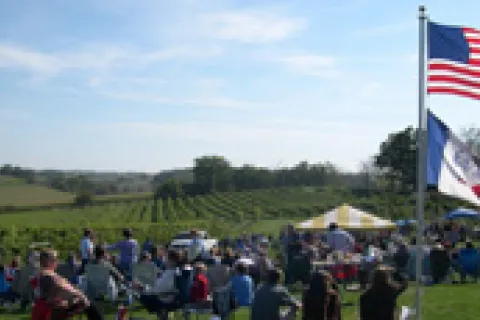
column 216, row 174
column 391, row 169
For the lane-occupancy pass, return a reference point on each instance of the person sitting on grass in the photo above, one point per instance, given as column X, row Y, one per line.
column 242, row 286
column 321, row 301
column 380, row 300
column 270, row 297
column 63, row 299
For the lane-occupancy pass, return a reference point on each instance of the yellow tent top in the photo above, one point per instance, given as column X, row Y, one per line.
column 347, row 217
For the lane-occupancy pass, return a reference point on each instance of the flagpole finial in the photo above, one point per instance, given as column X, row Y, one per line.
column 422, row 12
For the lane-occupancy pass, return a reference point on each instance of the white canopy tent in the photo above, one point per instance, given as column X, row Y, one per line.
column 347, row 217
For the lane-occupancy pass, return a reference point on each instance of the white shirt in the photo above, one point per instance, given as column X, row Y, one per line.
column 340, row 240
column 86, row 248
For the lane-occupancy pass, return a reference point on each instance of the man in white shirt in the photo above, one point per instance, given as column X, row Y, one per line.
column 339, row 240
column 196, row 250
column 86, row 248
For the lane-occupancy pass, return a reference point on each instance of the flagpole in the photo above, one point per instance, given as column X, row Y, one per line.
column 421, row 158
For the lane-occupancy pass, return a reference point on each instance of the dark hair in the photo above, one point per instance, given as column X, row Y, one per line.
column 174, row 256
column 87, row 232
column 241, row 268
column 127, row 233
column 469, row 245
column 145, row 256
column 333, row 226
column 47, row 256
column 99, row 252
column 273, row 276
column 315, row 297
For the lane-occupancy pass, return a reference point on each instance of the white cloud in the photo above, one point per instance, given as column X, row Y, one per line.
column 100, row 58
column 250, row 26
column 16, row 57
column 308, row 64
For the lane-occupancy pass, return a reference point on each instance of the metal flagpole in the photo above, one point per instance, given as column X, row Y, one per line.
column 421, row 157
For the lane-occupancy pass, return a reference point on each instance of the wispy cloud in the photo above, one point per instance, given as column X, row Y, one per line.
column 250, row 26
column 100, row 80
column 202, row 101
column 307, row 64
column 100, row 58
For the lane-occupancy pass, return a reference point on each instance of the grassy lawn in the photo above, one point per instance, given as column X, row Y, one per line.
column 443, row 302
column 15, row 192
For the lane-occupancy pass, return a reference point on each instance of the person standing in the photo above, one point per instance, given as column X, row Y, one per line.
column 380, row 300
column 86, row 248
column 196, row 250
column 339, row 240
column 129, row 250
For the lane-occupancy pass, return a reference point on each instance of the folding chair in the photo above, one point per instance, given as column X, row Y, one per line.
column 145, row 274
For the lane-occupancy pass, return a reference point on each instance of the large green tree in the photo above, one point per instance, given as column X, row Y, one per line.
column 397, row 159
column 169, row 189
column 213, row 173
column 471, row 136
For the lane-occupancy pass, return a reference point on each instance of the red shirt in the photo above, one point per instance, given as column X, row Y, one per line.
column 199, row 288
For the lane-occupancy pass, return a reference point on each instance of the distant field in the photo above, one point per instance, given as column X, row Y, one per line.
column 15, row 192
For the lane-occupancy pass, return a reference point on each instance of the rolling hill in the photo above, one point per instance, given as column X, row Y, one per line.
column 15, row 192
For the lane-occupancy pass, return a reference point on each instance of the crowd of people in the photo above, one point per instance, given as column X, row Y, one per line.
column 256, row 269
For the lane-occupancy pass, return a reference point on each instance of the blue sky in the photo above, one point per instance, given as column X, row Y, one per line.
column 149, row 85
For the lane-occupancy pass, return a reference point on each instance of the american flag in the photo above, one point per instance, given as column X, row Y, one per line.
column 453, row 60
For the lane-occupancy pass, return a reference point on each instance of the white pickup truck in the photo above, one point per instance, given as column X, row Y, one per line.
column 183, row 240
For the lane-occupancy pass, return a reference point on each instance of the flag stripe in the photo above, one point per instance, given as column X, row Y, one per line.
column 455, row 68
column 453, row 79
column 455, row 91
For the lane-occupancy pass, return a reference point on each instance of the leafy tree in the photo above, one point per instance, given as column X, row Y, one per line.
column 169, row 189
column 471, row 136
column 212, row 173
column 397, row 159
column 83, row 198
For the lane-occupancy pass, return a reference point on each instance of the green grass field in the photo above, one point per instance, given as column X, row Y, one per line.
column 443, row 302
column 16, row 193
